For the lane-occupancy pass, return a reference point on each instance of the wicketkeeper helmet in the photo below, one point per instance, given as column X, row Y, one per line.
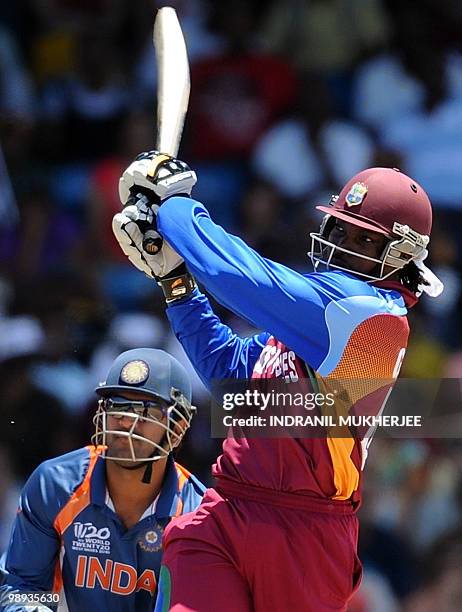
column 152, row 373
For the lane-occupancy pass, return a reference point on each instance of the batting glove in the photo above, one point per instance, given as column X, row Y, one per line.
column 130, row 226
column 157, row 174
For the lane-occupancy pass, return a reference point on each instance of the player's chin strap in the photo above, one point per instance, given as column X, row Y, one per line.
column 147, row 473
column 434, row 286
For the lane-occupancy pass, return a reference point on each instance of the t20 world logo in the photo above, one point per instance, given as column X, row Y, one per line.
column 88, row 530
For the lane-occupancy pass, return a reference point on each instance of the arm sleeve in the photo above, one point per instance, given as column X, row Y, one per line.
column 271, row 296
column 215, row 351
column 34, row 546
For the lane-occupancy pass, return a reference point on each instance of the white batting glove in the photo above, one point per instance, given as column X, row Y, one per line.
column 160, row 174
column 126, row 228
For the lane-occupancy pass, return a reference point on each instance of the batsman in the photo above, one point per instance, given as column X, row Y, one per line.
column 279, row 530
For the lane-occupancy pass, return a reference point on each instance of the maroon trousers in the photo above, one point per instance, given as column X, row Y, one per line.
column 237, row 554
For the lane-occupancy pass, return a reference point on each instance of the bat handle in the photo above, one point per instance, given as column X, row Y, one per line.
column 152, row 242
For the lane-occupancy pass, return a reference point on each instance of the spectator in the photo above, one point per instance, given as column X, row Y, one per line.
column 88, row 105
column 324, row 150
column 33, row 424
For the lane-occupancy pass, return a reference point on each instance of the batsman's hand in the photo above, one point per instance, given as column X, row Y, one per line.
column 157, row 174
column 128, row 227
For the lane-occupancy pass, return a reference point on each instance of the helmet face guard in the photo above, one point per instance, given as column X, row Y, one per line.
column 405, row 245
column 174, row 419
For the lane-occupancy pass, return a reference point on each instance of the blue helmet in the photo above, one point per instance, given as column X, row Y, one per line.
column 151, row 373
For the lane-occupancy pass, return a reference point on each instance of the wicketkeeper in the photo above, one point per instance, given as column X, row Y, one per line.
column 88, row 532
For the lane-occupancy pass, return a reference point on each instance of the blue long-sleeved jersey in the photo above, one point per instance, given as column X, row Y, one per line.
column 67, row 538
column 332, row 322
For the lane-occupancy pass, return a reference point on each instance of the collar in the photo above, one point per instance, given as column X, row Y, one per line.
column 98, row 483
column 150, row 510
column 169, row 501
column 410, row 298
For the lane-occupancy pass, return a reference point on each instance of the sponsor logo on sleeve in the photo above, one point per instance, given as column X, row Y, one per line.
column 276, row 362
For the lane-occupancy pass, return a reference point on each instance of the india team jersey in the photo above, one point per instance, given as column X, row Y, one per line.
column 320, row 326
column 67, row 538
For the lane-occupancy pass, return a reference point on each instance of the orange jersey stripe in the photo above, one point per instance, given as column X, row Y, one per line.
column 346, row 474
column 184, row 472
column 367, row 365
column 58, row 576
column 80, row 499
column 183, row 476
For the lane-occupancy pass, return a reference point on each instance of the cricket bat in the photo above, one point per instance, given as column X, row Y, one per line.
column 173, row 89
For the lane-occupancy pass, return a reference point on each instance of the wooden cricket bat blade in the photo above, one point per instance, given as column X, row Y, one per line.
column 173, row 80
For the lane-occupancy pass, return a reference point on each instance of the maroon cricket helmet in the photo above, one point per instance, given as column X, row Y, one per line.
column 382, row 200
column 377, row 198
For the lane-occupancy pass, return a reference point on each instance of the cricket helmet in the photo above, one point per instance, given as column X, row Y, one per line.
column 151, row 373
column 382, row 200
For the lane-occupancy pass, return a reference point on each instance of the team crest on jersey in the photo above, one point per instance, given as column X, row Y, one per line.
column 135, row 372
column 356, row 194
column 151, row 540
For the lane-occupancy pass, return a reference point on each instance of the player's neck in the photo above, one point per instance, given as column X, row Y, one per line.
column 127, row 489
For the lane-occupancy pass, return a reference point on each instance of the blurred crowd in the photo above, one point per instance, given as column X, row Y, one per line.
column 289, row 99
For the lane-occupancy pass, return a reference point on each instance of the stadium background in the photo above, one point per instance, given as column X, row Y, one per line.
column 289, row 99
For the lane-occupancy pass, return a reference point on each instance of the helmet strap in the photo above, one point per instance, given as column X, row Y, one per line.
column 147, row 473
